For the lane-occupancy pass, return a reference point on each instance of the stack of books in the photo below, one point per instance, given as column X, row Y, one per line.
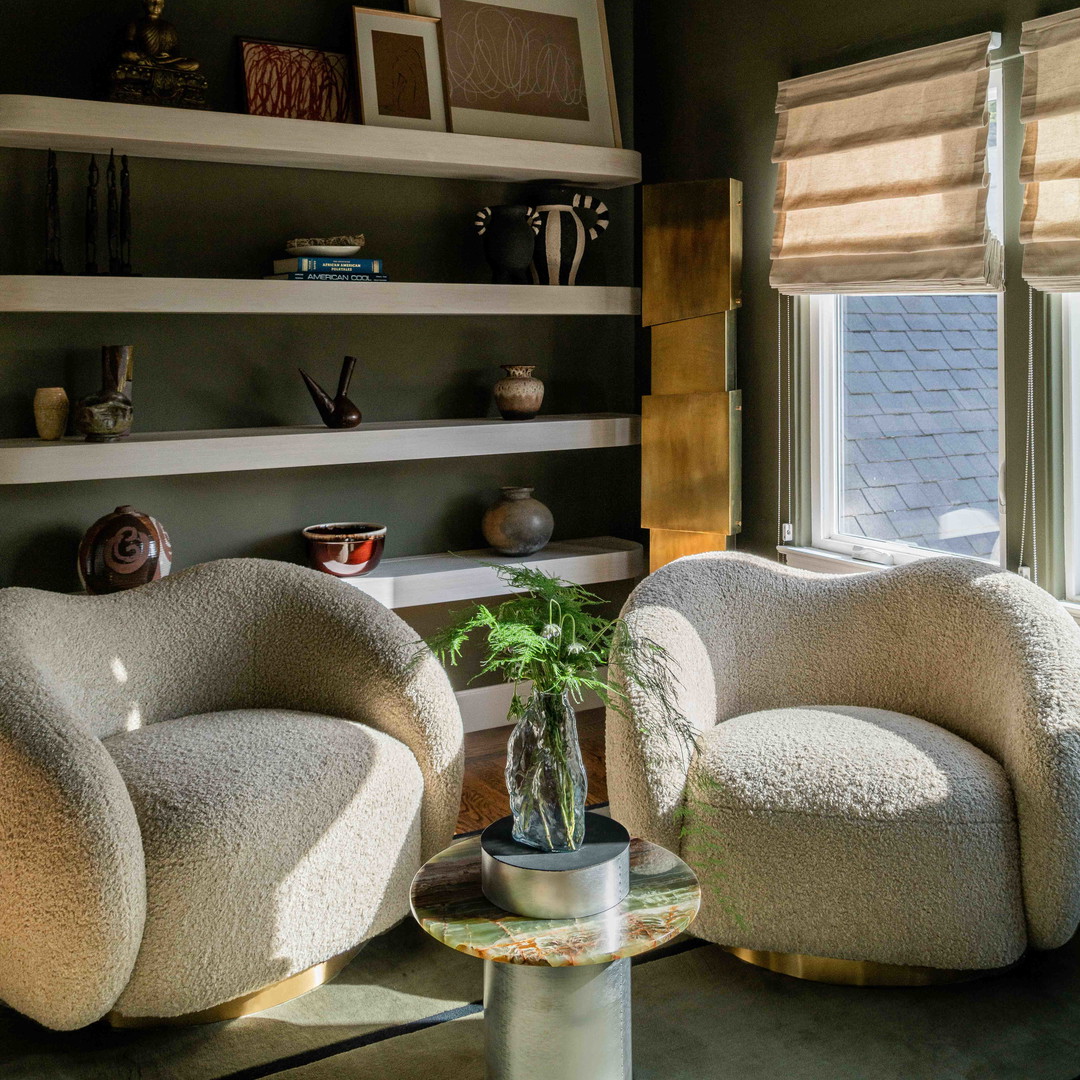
column 312, row 268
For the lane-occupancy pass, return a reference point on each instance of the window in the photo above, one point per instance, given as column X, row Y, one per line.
column 906, row 439
column 1070, row 319
column 907, row 432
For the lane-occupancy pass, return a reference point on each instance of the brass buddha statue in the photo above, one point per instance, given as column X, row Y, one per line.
column 149, row 71
column 152, row 40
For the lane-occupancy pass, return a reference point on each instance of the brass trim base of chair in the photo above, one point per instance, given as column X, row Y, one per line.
column 246, row 1004
column 827, row 969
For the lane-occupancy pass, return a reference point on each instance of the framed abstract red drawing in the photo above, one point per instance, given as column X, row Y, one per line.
column 399, row 69
column 297, row 81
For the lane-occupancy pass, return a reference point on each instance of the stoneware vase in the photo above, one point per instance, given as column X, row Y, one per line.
column 107, row 415
column 569, row 222
column 519, row 394
column 51, row 407
column 345, row 549
column 123, row 550
column 517, row 524
column 545, row 775
column 509, row 233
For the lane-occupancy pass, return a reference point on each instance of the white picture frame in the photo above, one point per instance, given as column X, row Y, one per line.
column 417, row 97
column 490, row 24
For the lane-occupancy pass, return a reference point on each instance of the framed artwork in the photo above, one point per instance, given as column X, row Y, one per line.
column 399, row 70
column 528, row 69
column 297, row 81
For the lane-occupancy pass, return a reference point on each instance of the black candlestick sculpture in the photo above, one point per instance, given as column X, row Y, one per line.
column 112, row 215
column 54, row 263
column 125, row 217
column 91, row 229
column 338, row 411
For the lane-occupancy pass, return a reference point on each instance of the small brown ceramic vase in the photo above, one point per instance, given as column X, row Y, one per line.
column 51, row 409
column 519, row 395
column 123, row 550
column 517, row 524
column 107, row 415
column 345, row 550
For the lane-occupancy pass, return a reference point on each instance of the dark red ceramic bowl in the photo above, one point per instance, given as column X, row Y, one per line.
column 346, row 549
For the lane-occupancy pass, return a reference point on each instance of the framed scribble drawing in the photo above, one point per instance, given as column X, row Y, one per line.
column 528, row 69
column 399, row 69
column 297, row 81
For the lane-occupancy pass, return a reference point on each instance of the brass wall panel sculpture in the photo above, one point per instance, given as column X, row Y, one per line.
column 692, row 249
column 691, row 424
column 688, row 479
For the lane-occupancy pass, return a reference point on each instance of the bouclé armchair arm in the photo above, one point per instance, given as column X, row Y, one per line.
column 72, row 883
column 647, row 760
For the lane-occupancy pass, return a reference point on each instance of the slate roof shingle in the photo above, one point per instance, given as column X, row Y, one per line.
column 920, row 427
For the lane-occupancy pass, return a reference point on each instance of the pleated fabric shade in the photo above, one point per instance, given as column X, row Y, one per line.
column 1050, row 166
column 882, row 184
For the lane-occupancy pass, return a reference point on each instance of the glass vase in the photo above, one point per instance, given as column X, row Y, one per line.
column 546, row 776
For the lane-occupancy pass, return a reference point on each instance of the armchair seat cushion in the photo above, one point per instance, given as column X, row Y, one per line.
column 273, row 841
column 855, row 833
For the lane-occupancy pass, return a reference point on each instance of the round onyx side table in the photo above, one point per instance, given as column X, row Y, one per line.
column 556, row 990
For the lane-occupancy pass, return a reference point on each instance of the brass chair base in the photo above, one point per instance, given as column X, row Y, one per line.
column 827, row 969
column 246, row 1004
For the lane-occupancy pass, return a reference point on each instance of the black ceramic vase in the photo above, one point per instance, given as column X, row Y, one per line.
column 107, row 415
column 569, row 222
column 509, row 233
column 517, row 524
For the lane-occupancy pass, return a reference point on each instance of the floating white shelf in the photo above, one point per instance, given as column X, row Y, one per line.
column 448, row 578
column 193, row 135
column 244, row 296
column 172, row 453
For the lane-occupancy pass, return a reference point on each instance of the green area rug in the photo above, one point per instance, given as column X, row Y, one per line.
column 408, row 1007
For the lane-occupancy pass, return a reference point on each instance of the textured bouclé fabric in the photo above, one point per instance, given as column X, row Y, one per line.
column 279, row 839
column 148, row 741
column 889, row 763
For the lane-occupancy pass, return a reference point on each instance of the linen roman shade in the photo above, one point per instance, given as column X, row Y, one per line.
column 1050, row 166
column 882, row 183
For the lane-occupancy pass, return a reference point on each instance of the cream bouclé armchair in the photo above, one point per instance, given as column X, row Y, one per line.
column 888, row 767
column 208, row 785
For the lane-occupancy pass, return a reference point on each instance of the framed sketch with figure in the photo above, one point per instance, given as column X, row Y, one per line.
column 399, row 69
column 528, row 69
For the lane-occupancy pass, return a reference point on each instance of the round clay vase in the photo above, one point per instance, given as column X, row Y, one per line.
column 51, row 407
column 519, row 395
column 107, row 415
column 517, row 524
column 123, row 550
column 509, row 234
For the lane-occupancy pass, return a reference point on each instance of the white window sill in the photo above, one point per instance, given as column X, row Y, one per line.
column 826, row 562
column 830, row 562
column 1072, row 608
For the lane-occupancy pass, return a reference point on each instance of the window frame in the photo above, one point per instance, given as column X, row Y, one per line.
column 825, row 364
column 1070, row 432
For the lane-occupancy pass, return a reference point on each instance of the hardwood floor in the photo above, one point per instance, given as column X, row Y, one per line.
column 484, row 798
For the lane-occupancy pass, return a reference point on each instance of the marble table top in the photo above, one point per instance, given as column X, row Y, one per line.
column 448, row 903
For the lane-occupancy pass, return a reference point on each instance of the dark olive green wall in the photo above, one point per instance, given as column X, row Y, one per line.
column 235, row 371
column 707, row 75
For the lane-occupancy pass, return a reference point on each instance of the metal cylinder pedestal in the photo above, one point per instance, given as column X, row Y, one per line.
column 557, row 1023
column 556, row 884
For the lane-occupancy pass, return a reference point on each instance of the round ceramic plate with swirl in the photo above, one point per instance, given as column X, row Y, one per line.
column 328, row 247
column 448, row 902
